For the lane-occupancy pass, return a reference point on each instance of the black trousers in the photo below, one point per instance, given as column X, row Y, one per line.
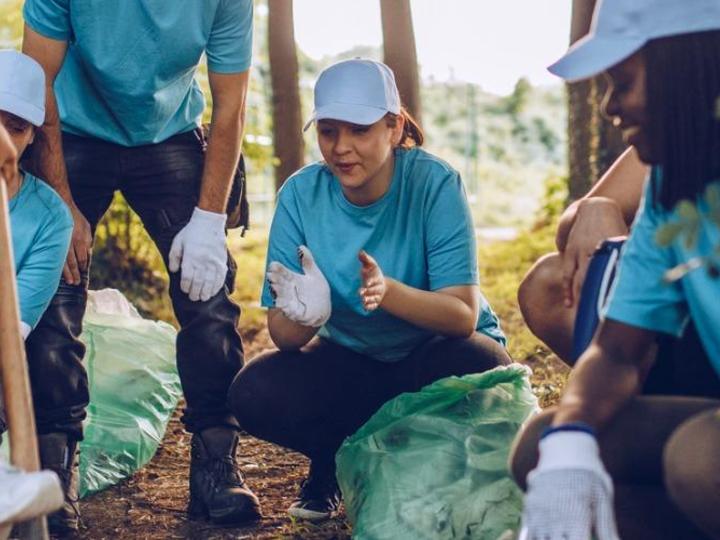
column 161, row 182
column 310, row 400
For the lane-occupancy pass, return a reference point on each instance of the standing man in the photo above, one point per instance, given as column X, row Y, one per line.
column 123, row 114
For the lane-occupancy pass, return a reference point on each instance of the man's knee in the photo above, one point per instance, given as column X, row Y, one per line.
column 692, row 468
column 524, row 451
column 540, row 289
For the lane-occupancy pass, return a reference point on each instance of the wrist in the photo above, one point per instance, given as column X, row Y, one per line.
column 212, row 219
column 569, row 449
column 390, row 290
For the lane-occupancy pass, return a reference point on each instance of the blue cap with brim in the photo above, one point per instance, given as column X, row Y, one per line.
column 622, row 27
column 357, row 91
column 22, row 87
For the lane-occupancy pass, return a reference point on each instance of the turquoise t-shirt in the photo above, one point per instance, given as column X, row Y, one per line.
column 420, row 233
column 41, row 227
column 641, row 298
column 128, row 76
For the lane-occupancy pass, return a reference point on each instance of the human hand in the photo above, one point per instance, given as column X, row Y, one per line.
column 373, row 289
column 595, row 220
column 303, row 298
column 78, row 257
column 569, row 494
column 200, row 251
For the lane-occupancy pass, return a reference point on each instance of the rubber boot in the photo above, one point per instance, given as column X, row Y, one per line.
column 60, row 454
column 217, row 489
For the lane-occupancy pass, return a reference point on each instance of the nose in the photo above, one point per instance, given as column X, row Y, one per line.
column 343, row 141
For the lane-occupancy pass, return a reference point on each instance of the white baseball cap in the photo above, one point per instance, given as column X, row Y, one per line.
column 621, row 27
column 358, row 91
column 22, row 86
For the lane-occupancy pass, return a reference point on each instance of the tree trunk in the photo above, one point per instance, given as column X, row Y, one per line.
column 288, row 143
column 400, row 53
column 593, row 143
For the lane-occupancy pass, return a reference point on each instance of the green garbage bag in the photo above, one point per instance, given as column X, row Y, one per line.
column 134, row 389
column 433, row 464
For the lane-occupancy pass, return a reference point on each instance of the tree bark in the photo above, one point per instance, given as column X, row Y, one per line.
column 288, row 143
column 593, row 143
column 399, row 51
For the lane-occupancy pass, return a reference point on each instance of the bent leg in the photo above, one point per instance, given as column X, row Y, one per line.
column 631, row 447
column 541, row 303
column 692, row 470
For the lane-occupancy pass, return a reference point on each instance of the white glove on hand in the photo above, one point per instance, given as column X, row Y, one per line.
column 304, row 299
column 201, row 248
column 570, row 495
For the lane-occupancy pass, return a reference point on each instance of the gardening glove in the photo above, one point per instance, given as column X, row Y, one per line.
column 200, row 251
column 570, row 495
column 303, row 298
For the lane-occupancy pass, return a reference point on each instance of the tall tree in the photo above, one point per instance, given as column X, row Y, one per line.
column 288, row 143
column 399, row 51
column 593, row 142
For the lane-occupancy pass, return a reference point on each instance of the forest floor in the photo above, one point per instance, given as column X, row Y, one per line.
column 151, row 504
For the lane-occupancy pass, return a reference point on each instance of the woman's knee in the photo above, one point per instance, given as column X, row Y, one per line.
column 691, row 463
column 524, row 452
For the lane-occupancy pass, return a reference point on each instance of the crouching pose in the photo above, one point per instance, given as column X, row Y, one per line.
column 372, row 281
column 657, row 455
column 40, row 233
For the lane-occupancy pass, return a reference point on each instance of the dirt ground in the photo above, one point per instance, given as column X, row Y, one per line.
column 152, row 503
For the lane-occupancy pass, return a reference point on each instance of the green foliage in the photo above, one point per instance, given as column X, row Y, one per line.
column 685, row 228
column 125, row 258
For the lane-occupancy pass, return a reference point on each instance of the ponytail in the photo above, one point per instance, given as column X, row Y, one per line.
column 412, row 132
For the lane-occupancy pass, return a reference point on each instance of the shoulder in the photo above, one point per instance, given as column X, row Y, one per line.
column 425, row 172
column 47, row 203
column 305, row 182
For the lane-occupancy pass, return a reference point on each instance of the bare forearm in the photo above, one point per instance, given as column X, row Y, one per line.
column 435, row 311
column 609, row 373
column 288, row 335
column 48, row 153
column 222, row 157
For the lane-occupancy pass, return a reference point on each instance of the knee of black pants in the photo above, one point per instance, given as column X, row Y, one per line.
column 55, row 353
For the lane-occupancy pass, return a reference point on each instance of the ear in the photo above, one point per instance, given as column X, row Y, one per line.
column 398, row 130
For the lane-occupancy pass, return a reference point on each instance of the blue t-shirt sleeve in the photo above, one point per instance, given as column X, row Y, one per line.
column 640, row 297
column 51, row 18
column 450, row 237
column 286, row 235
column 39, row 275
column 229, row 48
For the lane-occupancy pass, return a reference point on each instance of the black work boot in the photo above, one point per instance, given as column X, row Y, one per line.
column 60, row 454
column 217, row 489
column 319, row 497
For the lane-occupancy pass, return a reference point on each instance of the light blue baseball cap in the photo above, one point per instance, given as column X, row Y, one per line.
column 22, row 86
column 358, row 91
column 622, row 27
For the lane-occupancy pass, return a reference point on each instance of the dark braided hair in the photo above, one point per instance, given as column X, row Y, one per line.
column 683, row 89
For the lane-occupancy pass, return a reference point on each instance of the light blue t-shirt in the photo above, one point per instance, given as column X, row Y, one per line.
column 420, row 233
column 640, row 296
column 128, row 77
column 41, row 227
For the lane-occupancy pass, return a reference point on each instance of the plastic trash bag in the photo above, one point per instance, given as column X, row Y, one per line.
column 134, row 389
column 433, row 464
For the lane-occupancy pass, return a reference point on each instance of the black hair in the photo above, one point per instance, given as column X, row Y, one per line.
column 683, row 93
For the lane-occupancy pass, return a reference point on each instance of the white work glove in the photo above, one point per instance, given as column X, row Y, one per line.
column 570, row 495
column 24, row 496
column 304, row 299
column 200, row 251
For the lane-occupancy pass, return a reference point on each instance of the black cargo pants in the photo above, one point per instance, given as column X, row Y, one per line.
column 161, row 182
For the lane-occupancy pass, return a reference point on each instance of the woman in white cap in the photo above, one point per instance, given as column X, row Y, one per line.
column 23, row 496
column 662, row 58
column 40, row 222
column 372, row 281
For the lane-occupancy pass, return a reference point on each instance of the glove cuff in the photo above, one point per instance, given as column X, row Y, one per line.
column 570, row 450
column 212, row 219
